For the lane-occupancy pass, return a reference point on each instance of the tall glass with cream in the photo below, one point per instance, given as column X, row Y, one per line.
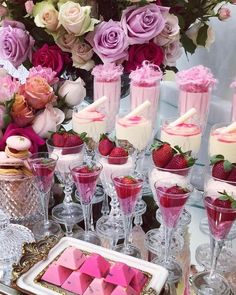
column 145, row 85
column 107, row 82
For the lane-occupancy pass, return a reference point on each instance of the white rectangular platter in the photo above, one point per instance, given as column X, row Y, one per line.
column 26, row 281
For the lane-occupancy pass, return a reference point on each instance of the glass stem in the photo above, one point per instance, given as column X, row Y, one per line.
column 69, row 230
column 168, row 236
column 115, row 209
column 67, row 191
column 216, row 247
column 87, row 214
column 45, row 202
column 127, row 229
column 91, row 219
column 105, row 206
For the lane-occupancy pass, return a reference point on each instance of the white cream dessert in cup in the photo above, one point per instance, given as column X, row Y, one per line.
column 135, row 127
column 222, row 141
column 90, row 120
column 183, row 132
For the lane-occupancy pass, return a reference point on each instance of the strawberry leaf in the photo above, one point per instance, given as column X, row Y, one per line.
column 216, row 158
column 191, row 161
column 227, row 166
column 178, row 149
column 103, row 136
column 233, row 205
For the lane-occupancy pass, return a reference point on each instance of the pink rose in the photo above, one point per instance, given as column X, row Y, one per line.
column 29, row 5
column 37, row 92
column 28, row 132
column 65, row 40
column 138, row 53
column 47, row 73
column 2, row 113
column 3, row 11
column 9, row 87
column 82, row 56
column 172, row 52
column 224, row 13
column 50, row 57
column 143, row 23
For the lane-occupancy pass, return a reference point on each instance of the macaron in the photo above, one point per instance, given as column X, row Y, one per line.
column 13, row 167
column 18, row 147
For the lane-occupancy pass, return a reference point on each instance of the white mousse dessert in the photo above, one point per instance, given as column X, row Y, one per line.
column 223, row 143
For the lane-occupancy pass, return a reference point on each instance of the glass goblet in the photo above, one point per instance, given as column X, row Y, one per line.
column 68, row 213
column 43, row 166
column 221, row 215
column 128, row 188
column 85, row 177
column 171, row 199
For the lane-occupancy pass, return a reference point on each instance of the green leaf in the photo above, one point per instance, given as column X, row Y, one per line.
column 202, row 35
column 233, row 205
column 188, row 44
column 227, row 166
column 216, row 158
column 224, row 197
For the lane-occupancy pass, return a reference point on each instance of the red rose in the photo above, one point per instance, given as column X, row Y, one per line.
column 50, row 57
column 140, row 52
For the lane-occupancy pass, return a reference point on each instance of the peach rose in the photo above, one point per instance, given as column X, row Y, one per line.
column 65, row 40
column 82, row 56
column 37, row 92
column 21, row 113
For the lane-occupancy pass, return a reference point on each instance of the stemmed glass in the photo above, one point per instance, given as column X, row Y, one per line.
column 221, row 214
column 171, row 199
column 85, row 177
column 43, row 167
column 128, row 189
column 68, row 213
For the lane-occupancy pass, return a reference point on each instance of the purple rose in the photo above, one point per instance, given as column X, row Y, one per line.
column 15, row 42
column 109, row 41
column 143, row 23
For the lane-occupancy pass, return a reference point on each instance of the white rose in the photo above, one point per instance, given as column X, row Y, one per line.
column 65, row 40
column 48, row 120
column 46, row 16
column 170, row 31
column 172, row 52
column 75, row 18
column 82, row 56
column 73, row 91
column 192, row 33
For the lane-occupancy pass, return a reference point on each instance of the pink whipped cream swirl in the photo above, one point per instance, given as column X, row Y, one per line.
column 197, row 79
column 184, row 129
column 147, row 75
column 108, row 72
column 132, row 121
column 90, row 116
column 229, row 137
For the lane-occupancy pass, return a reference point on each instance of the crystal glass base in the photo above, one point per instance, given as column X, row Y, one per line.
column 77, row 231
column 41, row 230
column 130, row 250
column 67, row 213
column 204, row 227
column 225, row 262
column 214, row 285
column 89, row 237
column 140, row 207
column 111, row 228
column 155, row 242
column 174, row 269
column 184, row 220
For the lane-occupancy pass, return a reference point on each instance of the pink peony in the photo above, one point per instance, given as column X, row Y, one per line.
column 9, row 87
column 47, row 73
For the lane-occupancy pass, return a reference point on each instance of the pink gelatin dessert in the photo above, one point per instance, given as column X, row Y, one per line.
column 95, row 266
column 99, row 287
column 120, row 274
column 71, row 258
column 119, row 290
column 138, row 281
column 56, row 274
column 77, row 282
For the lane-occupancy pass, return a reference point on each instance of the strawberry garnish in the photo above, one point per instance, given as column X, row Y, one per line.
column 221, row 168
column 118, row 156
column 128, row 180
column 128, row 188
column 176, row 190
column 232, row 176
column 72, row 140
column 168, row 200
column 85, row 169
column 105, row 145
column 58, row 139
column 162, row 153
column 225, row 200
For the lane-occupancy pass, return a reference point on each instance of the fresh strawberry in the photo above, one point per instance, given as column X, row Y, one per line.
column 85, row 169
column 232, row 176
column 221, row 168
column 73, row 140
column 105, row 145
column 168, row 199
column 118, row 156
column 128, row 187
column 58, row 139
column 222, row 203
column 162, row 153
column 176, row 190
column 128, row 180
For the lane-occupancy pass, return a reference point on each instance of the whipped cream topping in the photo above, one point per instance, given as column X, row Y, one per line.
column 225, row 137
column 183, row 129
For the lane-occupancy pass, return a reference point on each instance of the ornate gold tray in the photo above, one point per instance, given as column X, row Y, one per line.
column 38, row 256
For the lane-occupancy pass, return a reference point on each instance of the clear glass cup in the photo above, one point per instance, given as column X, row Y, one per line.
column 171, row 206
column 128, row 193
column 220, row 218
column 85, row 178
column 43, row 167
column 68, row 212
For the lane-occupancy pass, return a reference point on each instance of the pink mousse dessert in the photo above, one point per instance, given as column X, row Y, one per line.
column 120, row 274
column 99, row 286
column 95, row 266
column 56, row 274
column 77, row 282
column 119, row 290
column 185, row 135
column 71, row 258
